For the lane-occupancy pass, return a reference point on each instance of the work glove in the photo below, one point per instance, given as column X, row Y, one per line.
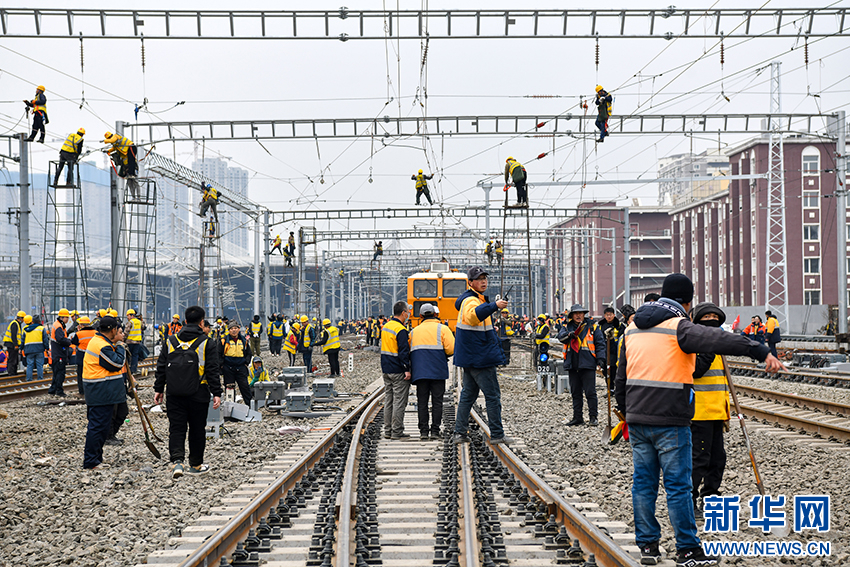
column 610, row 333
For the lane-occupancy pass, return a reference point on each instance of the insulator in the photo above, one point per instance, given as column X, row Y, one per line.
column 597, row 54
column 143, row 53
column 722, row 54
column 806, row 52
column 541, row 156
column 541, row 125
column 82, row 53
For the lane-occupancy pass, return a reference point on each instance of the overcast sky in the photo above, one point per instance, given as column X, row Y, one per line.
column 224, row 80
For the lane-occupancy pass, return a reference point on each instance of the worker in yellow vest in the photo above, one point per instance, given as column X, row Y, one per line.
column 209, row 200
column 541, row 337
column 514, row 171
column 135, row 328
column 257, row 372
column 290, row 345
column 34, row 342
column 422, row 186
column 255, row 331
column 305, row 342
column 38, row 106
column 236, row 356
column 69, row 154
column 12, row 341
column 276, row 244
column 329, row 341
column 123, row 154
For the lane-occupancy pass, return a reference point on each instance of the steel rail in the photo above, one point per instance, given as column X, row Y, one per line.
column 592, row 539
column 348, row 504
column 471, row 546
column 824, row 376
column 224, row 540
column 827, row 430
column 801, row 402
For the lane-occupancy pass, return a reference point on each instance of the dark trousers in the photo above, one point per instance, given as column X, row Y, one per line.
column 521, row 191
column 483, row 380
column 80, row 379
column 134, row 349
column 238, row 375
column 584, row 381
column 772, row 348
column 12, row 361
column 292, row 358
column 602, row 124
column 132, row 166
column 333, row 360
column 274, row 345
column 430, row 390
column 56, row 385
column 709, row 457
column 99, row 428
column 187, row 413
column 255, row 346
column 307, row 356
column 37, row 126
column 425, row 191
column 119, row 414
column 69, row 159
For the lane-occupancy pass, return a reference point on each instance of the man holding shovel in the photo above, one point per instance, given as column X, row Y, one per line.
column 103, row 376
column 654, row 389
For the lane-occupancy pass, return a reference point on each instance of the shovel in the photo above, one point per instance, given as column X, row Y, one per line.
column 779, row 531
column 142, row 415
column 607, row 433
column 134, row 386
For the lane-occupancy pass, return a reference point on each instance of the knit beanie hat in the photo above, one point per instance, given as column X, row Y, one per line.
column 679, row 288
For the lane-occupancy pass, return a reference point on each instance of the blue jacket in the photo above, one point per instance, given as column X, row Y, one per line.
column 110, row 391
column 35, row 347
column 476, row 344
column 431, row 345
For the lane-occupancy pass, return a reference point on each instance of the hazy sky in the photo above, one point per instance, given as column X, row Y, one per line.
column 224, row 80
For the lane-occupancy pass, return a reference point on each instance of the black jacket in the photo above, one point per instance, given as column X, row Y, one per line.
column 212, row 364
column 673, row 407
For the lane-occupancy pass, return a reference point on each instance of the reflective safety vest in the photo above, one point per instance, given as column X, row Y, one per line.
column 34, row 337
column 120, row 143
column 712, row 394
column 254, row 376
column 84, row 336
column 333, row 339
column 92, row 370
column 72, row 143
column 305, row 336
column 211, row 193
column 174, row 343
column 421, row 181
column 17, row 334
column 291, row 342
column 498, row 249
column 233, row 348
column 540, row 330
column 389, row 343
column 256, row 329
column 277, row 329
column 36, row 106
column 174, row 328
column 431, row 343
column 516, row 175
column 135, row 333
column 4, row 361
column 56, row 325
column 586, row 342
column 277, row 241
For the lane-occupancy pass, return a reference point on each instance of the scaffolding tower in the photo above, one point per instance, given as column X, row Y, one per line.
column 209, row 275
column 64, row 274
column 134, row 278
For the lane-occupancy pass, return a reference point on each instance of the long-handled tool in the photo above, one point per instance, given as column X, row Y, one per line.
column 134, row 386
column 607, row 434
column 781, row 531
column 142, row 415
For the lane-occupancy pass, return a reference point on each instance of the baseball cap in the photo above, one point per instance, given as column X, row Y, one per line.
column 476, row 272
column 428, row 309
column 108, row 322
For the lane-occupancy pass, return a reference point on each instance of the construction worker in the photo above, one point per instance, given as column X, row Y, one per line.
column 4, row 360
column 342, row 273
column 291, row 243
column 209, row 200
column 368, row 325
column 541, row 337
column 123, row 154
column 603, row 104
column 175, row 326
column 516, row 172
column 500, row 252
column 12, row 341
column 584, row 350
column 488, row 251
column 772, row 333
column 81, row 338
column 755, row 330
column 135, row 329
column 38, row 106
column 654, row 389
column 288, row 256
column 305, row 342
column 276, row 332
column 422, row 186
column 276, row 243
column 70, row 152
column 329, row 341
column 431, row 345
column 257, row 372
column 291, row 343
column 395, row 367
column 59, row 344
column 35, row 341
column 236, row 356
column 255, row 331
column 379, row 250
column 611, row 329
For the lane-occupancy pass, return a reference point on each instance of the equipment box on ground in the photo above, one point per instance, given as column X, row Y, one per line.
column 323, row 388
column 299, row 401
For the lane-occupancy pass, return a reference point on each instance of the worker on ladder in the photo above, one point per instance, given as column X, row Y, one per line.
column 379, row 250
column 276, row 245
column 70, row 152
column 123, row 154
column 603, row 104
column 516, row 172
column 38, row 105
column 422, row 186
column 209, row 200
column 500, row 252
column 488, row 251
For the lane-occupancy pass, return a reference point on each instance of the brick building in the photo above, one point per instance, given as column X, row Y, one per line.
column 722, row 238
column 580, row 264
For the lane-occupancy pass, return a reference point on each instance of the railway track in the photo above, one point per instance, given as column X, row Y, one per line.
column 354, row 498
column 807, row 376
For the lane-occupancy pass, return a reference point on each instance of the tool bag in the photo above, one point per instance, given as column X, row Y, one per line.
column 184, row 367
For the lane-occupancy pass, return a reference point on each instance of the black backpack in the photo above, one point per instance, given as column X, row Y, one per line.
column 183, row 371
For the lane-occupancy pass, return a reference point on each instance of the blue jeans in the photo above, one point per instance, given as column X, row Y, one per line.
column 668, row 449
column 35, row 360
column 603, row 127
column 477, row 380
column 307, row 356
column 134, row 349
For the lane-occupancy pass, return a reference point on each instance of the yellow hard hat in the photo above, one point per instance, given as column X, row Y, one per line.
column 175, row 316
column 84, row 320
column 28, row 319
column 296, row 326
column 304, row 319
column 326, row 321
column 40, row 88
column 21, row 314
column 131, row 312
column 541, row 316
column 420, row 171
column 107, row 135
column 101, row 312
column 509, row 159
column 113, row 313
column 75, row 312
column 64, row 313
column 505, row 310
column 81, row 131
column 598, row 88
column 509, row 332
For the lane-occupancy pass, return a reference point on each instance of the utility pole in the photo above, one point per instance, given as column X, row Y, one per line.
column 24, row 227
column 267, row 275
column 119, row 248
column 840, row 218
column 257, row 266
column 627, row 250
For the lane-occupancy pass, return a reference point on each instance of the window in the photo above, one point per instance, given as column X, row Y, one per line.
column 811, row 297
column 810, row 231
column 453, row 288
column 811, row 265
column 811, row 199
column 810, row 165
column 424, row 288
